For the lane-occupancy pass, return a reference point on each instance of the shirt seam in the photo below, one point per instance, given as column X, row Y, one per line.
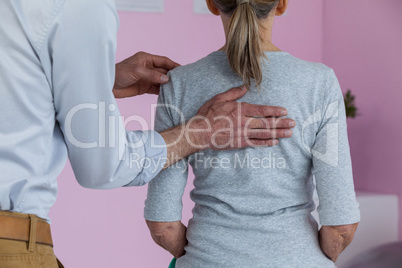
column 49, row 22
column 323, row 108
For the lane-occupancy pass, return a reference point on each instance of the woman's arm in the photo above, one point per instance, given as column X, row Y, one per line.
column 169, row 235
column 163, row 206
column 338, row 209
column 335, row 239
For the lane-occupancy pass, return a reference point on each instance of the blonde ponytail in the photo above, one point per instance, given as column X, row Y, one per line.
column 244, row 43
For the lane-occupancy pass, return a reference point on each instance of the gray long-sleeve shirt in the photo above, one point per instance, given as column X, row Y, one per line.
column 252, row 206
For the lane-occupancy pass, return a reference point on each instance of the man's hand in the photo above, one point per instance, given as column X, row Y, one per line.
column 223, row 124
column 227, row 124
column 335, row 239
column 169, row 235
column 140, row 74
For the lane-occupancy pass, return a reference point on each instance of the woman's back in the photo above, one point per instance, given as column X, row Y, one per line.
column 252, row 206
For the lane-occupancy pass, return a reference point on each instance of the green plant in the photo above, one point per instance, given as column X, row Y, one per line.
column 350, row 106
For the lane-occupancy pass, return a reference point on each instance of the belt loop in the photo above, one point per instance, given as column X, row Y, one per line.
column 32, row 232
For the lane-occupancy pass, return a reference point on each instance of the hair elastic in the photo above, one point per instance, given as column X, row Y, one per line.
column 241, row 2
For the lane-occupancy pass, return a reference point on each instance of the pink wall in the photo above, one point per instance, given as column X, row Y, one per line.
column 106, row 228
column 363, row 43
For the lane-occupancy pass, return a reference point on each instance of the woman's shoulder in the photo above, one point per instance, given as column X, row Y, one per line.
column 212, row 63
column 296, row 64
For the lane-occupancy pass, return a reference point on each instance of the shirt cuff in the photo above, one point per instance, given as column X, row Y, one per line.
column 154, row 159
column 336, row 218
column 156, row 217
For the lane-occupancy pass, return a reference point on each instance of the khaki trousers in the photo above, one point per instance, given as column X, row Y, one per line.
column 16, row 254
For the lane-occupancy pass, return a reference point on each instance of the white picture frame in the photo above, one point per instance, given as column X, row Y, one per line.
column 157, row 6
column 200, row 7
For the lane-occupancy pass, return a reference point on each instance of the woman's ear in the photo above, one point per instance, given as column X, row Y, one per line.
column 282, row 7
column 212, row 7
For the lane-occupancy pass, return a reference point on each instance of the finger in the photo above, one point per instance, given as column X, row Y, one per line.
column 264, row 134
column 125, row 93
column 252, row 110
column 269, row 123
column 163, row 62
column 231, row 95
column 151, row 75
column 155, row 90
column 135, row 91
column 161, row 70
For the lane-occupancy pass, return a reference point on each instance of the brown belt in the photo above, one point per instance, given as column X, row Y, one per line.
column 24, row 227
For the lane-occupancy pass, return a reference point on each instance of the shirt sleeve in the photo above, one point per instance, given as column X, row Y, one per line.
column 332, row 165
column 81, row 46
column 165, row 192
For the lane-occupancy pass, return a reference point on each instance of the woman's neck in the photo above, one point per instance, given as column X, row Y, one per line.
column 266, row 46
column 266, row 33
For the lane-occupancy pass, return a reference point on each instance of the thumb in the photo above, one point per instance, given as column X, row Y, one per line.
column 232, row 94
column 152, row 76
